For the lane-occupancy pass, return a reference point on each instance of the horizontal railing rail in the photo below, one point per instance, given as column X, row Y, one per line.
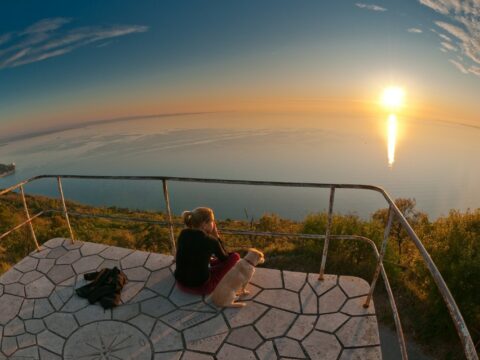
column 394, row 213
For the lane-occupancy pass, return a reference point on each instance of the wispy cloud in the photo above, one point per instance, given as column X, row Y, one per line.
column 462, row 23
column 415, row 30
column 459, row 66
column 48, row 38
column 448, row 46
column 371, row 7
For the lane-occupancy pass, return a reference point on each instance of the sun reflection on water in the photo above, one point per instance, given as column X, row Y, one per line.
column 392, row 138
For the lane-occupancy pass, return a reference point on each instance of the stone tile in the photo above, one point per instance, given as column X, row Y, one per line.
column 302, row 326
column 1, row 289
column 246, row 315
column 9, row 307
column 156, row 306
column 62, row 324
column 274, row 323
column 137, row 274
column 289, row 348
column 26, row 311
column 109, row 264
column 191, row 355
column 320, row 287
column 69, row 258
column 174, row 355
column 108, row 340
column 331, row 301
column 45, row 265
column 30, row 276
column 56, row 253
column 164, row 338
column 28, row 353
column 47, row 355
column 26, row 340
column 354, row 286
column 87, row 264
column 11, row 276
column 267, row 278
column 90, row 248
column 308, row 300
column 143, row 295
column 92, row 313
column 135, row 259
column 15, row 289
column 27, row 264
column 245, row 337
column 200, row 306
column 253, row 290
column 42, row 308
column 9, row 345
column 130, row 290
column 228, row 352
column 330, row 322
column 267, row 351
column 182, row 319
column 40, row 288
column 158, row 261
column 370, row 353
column 294, row 280
column 115, row 253
column 63, row 292
column 34, row 326
column 54, row 243
column 125, row 312
column 144, row 323
column 180, row 298
column 207, row 336
column 71, row 245
column 355, row 307
column 161, row 281
column 359, row 331
column 50, row 341
column 74, row 304
column 14, row 327
column 60, row 273
column 42, row 253
column 283, row 299
column 321, row 346
column 56, row 301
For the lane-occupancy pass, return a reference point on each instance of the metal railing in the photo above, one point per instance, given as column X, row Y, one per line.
column 393, row 212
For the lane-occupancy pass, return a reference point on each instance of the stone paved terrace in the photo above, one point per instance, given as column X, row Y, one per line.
column 290, row 315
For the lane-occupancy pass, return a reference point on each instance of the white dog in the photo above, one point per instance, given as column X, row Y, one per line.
column 237, row 279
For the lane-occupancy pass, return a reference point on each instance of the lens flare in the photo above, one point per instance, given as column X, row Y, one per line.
column 392, row 138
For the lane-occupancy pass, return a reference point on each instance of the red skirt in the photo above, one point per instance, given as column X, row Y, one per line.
column 218, row 269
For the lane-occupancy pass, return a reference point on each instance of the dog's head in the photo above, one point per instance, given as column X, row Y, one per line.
column 255, row 256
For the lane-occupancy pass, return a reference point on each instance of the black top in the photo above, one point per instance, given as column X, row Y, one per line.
column 194, row 249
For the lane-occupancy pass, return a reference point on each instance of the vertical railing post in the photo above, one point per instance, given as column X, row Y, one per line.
column 169, row 215
column 27, row 213
column 65, row 212
column 380, row 258
column 327, row 233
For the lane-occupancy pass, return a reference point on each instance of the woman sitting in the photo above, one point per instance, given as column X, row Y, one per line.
column 201, row 259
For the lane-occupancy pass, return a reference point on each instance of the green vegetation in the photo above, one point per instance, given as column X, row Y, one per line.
column 453, row 241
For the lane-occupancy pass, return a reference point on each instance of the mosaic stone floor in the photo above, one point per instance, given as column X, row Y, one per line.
column 290, row 315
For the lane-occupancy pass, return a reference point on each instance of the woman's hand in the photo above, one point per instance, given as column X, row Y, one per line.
column 215, row 230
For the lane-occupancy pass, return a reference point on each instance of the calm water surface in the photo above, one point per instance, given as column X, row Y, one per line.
column 435, row 163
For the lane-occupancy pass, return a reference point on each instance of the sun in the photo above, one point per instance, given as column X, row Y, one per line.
column 393, row 97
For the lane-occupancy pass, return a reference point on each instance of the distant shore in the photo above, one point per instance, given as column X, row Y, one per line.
column 6, row 170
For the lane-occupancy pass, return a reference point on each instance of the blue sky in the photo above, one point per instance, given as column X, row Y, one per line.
column 70, row 62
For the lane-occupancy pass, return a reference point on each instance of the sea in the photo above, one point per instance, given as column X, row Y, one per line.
column 433, row 162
